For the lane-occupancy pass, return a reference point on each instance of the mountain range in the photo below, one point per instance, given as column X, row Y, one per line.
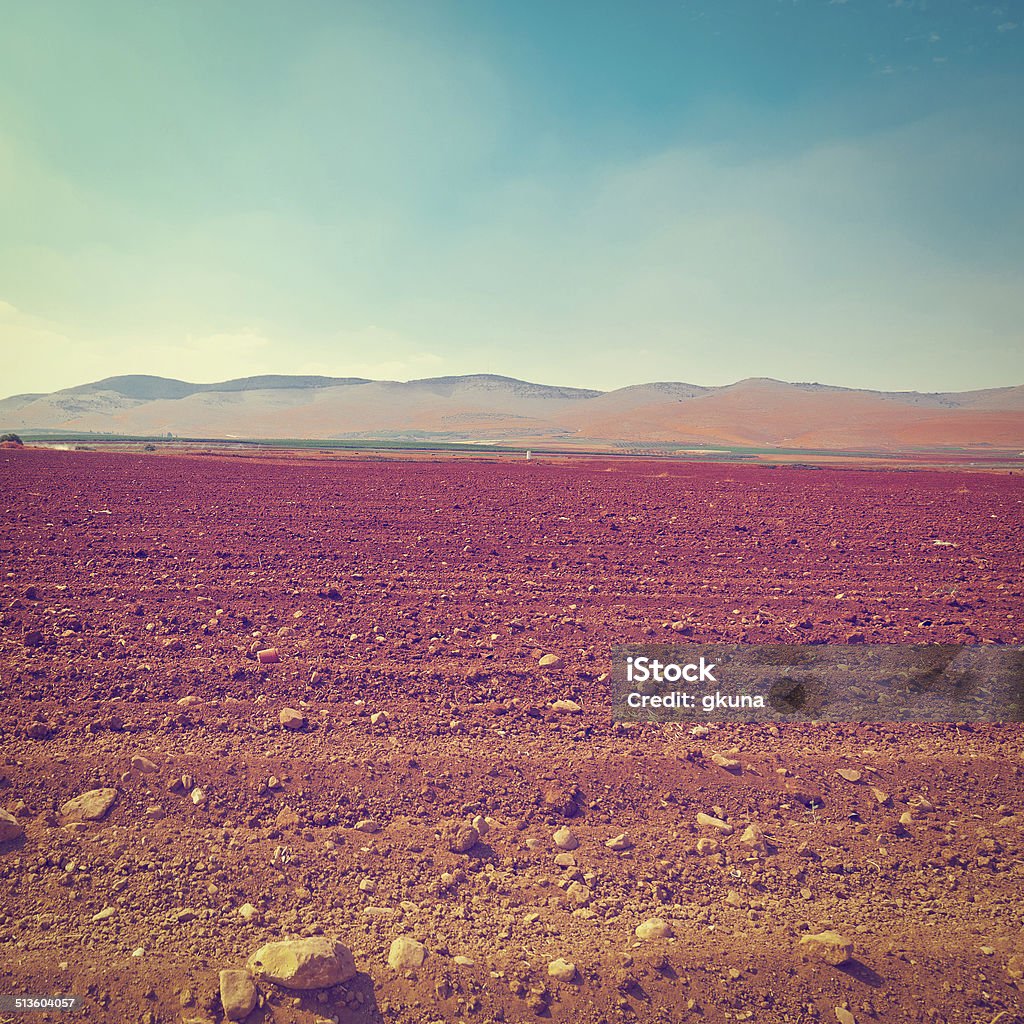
column 483, row 407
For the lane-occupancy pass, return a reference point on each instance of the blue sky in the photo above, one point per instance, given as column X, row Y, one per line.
column 587, row 193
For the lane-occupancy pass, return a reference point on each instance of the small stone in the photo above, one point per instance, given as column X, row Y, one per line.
column 367, row 885
column 464, row 961
column 565, row 840
column 708, row 847
column 144, row 764
column 292, row 719
column 881, row 797
column 619, row 843
column 268, row 657
column 104, row 915
column 155, row 812
column 462, row 838
column 700, row 731
column 368, row 825
column 561, row 970
column 303, row 964
column 850, row 774
column 844, row 1016
column 551, row 661
column 567, row 707
column 198, row 796
column 716, row 823
column 380, row 718
column 754, row 838
column 828, row 946
column 190, row 700
column 729, row 764
column 90, row 806
column 237, row 994
column 406, row 954
column 565, row 860
column 10, row 827
column 654, row 928
column 247, row 912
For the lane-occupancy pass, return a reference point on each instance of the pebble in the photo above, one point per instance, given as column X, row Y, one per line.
column 303, row 964
column 292, row 719
column 880, row 795
column 567, row 707
column 406, row 954
column 144, row 764
column 565, row 860
column 268, row 657
column 844, row 1016
column 368, row 825
column 565, row 840
column 727, row 763
column 829, row 946
column 237, row 994
column 708, row 847
column 561, row 970
column 716, row 823
column 464, row 961
column 754, row 838
column 10, row 827
column 247, row 912
column 579, row 894
column 619, row 843
column 700, row 731
column 198, row 796
column 380, row 718
column 551, row 661
column 654, row 928
column 90, row 806
column 850, row 774
column 104, row 915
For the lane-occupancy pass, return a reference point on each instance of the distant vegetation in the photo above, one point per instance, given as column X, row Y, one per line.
column 13, row 438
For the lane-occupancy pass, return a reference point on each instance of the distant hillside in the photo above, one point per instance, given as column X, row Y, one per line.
column 758, row 412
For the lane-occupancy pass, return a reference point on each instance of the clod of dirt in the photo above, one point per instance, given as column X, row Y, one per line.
column 462, row 838
column 406, row 954
column 829, row 946
column 237, row 994
column 91, row 806
column 303, row 964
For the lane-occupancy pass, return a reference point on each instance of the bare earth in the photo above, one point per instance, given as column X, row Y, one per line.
column 135, row 592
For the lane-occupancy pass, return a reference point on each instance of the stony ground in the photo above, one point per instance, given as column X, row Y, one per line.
column 400, row 770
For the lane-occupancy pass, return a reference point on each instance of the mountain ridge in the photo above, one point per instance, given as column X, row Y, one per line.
column 751, row 411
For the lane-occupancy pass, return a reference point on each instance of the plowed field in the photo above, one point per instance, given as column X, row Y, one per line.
column 410, row 603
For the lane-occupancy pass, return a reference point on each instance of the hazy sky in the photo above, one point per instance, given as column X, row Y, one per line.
column 586, row 193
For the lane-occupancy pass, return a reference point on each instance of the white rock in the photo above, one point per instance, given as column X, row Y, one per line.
column 303, row 964
column 237, row 994
column 561, row 970
column 654, row 928
column 406, row 954
column 91, row 806
column 565, row 840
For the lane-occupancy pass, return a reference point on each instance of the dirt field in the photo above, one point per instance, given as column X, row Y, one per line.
column 410, row 603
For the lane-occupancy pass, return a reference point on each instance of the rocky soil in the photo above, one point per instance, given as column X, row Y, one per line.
column 247, row 702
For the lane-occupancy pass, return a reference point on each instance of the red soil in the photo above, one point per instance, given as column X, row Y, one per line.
column 428, row 589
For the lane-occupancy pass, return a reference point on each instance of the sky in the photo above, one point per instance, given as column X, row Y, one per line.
column 579, row 192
